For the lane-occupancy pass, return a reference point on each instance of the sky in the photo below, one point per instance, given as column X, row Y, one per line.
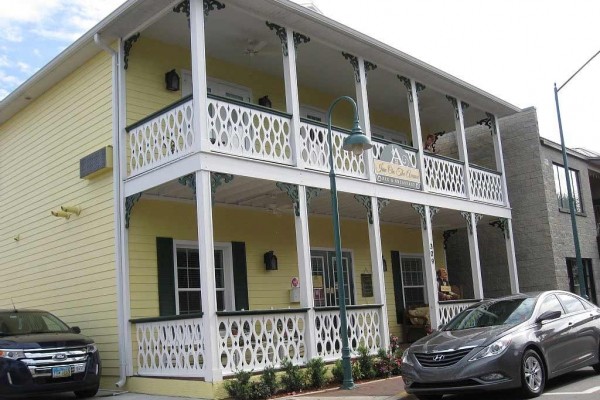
column 513, row 49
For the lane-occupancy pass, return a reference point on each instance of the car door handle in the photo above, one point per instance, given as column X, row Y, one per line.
column 570, row 323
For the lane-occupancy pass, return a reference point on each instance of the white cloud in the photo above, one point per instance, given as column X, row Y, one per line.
column 64, row 35
column 10, row 33
column 4, row 61
column 9, row 80
column 24, row 67
column 27, row 10
column 3, row 93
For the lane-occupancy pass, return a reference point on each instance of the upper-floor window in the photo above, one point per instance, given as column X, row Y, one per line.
column 378, row 132
column 560, row 182
column 313, row 113
column 217, row 87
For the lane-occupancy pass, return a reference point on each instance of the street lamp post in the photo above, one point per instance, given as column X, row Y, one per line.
column 582, row 284
column 357, row 142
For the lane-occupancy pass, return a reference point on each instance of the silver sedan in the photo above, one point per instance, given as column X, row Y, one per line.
column 513, row 342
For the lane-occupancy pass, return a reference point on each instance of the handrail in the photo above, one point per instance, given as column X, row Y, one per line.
column 445, row 158
column 484, row 169
column 259, row 312
column 157, row 113
column 166, row 318
column 349, row 307
column 322, row 125
column 386, row 141
column 249, row 105
column 460, row 301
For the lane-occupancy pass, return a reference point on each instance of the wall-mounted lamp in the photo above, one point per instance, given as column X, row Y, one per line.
column 172, row 80
column 265, row 102
column 384, row 263
column 270, row 261
column 61, row 214
column 71, row 209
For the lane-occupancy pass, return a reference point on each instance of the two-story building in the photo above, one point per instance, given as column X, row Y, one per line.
column 165, row 186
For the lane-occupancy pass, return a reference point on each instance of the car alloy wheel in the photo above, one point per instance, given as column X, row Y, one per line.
column 533, row 374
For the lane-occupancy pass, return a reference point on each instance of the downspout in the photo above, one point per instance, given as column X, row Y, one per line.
column 121, row 319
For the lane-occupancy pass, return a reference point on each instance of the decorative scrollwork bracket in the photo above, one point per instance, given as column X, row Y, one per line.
column 129, row 203
column 502, row 223
column 407, row 83
column 127, row 45
column 471, row 223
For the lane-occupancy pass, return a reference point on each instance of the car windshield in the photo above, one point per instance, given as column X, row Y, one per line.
column 493, row 313
column 25, row 323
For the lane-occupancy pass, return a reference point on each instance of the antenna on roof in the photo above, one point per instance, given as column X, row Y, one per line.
column 13, row 303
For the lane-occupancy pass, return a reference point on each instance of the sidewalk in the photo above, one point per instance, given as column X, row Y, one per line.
column 383, row 389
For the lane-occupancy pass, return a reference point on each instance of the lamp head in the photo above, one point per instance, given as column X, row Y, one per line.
column 357, row 142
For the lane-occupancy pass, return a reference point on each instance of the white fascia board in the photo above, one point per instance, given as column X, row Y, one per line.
column 309, row 22
column 556, row 146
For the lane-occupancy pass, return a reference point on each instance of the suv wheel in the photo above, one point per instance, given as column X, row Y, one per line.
column 533, row 376
column 85, row 394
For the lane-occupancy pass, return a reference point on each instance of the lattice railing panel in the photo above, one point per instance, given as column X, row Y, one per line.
column 315, row 151
column 248, row 132
column 164, row 138
column 363, row 329
column 486, row 185
column 444, row 176
column 449, row 310
column 170, row 348
column 411, row 155
column 253, row 342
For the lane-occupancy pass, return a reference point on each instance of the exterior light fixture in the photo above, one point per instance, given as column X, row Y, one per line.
column 71, row 209
column 357, row 142
column 172, row 81
column 61, row 214
column 270, row 261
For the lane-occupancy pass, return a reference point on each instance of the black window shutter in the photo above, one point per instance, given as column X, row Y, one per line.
column 166, row 276
column 240, row 275
column 397, row 276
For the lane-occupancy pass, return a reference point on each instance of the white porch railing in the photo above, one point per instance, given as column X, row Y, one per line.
column 170, row 348
column 251, row 341
column 363, row 329
column 486, row 185
column 449, row 309
column 315, row 151
column 161, row 137
column 444, row 175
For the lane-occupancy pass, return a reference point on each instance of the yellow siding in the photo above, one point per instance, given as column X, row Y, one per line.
column 261, row 231
column 63, row 266
column 150, row 60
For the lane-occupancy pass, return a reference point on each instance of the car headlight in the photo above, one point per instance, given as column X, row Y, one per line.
column 92, row 348
column 494, row 349
column 12, row 354
column 405, row 356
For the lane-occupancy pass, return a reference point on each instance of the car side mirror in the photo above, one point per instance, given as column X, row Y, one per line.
column 548, row 315
column 75, row 329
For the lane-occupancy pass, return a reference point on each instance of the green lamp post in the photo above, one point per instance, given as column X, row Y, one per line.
column 357, row 142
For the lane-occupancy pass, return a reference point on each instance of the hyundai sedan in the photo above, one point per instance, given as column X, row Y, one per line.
column 513, row 342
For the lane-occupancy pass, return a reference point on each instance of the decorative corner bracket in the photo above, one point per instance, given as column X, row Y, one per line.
column 190, row 181
column 406, row 81
column 366, row 202
column 454, row 102
column 300, row 39
column 127, row 45
column 471, row 223
column 421, row 210
column 129, row 203
column 184, row 7
column 354, row 62
column 369, row 66
column 490, row 122
column 311, row 193
column 281, row 33
column 292, row 192
column 216, row 180
column 210, row 5
column 502, row 223
column 446, row 235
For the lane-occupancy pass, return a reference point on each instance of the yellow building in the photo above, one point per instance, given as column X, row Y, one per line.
column 194, row 139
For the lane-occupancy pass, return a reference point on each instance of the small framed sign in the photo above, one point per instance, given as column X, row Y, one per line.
column 366, row 283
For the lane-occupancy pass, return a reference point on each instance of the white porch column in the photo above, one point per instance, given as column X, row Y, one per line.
column 499, row 156
column 362, row 101
column 510, row 256
column 206, row 250
column 472, row 220
column 292, row 102
column 377, row 270
column 427, row 213
column 305, row 272
column 413, row 88
column 199, row 90
column 461, row 140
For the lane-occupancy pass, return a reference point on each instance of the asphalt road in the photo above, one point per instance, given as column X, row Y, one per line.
column 583, row 384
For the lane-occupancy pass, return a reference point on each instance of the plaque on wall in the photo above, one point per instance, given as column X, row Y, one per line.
column 366, row 283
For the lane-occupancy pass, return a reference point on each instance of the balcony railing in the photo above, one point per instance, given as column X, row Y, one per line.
column 245, row 130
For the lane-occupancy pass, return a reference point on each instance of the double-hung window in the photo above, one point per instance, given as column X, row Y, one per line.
column 562, row 194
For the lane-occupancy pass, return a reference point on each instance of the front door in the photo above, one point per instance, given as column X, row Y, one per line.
column 325, row 286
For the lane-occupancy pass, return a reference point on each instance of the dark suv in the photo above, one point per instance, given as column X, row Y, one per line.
column 40, row 354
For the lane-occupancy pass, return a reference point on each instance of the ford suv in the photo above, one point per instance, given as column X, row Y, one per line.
column 40, row 354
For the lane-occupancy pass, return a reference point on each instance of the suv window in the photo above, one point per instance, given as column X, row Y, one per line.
column 551, row 303
column 571, row 303
column 24, row 323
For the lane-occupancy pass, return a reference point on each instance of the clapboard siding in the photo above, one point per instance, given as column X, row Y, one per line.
column 64, row 266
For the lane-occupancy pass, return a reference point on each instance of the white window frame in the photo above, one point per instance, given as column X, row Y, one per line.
column 351, row 277
column 229, row 288
column 404, row 286
column 306, row 111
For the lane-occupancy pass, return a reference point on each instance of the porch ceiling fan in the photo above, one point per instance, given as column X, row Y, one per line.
column 255, row 47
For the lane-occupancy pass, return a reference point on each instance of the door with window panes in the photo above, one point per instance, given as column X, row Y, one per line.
column 325, row 287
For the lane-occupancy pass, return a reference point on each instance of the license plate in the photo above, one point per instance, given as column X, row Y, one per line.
column 61, row 372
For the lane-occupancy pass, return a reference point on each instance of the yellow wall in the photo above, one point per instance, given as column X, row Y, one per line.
column 63, row 266
column 149, row 61
column 261, row 231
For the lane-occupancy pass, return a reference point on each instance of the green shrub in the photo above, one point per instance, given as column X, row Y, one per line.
column 241, row 388
column 292, row 379
column 366, row 363
column 338, row 371
column 269, row 379
column 316, row 373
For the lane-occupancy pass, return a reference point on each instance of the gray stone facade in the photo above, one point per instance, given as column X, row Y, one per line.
column 542, row 233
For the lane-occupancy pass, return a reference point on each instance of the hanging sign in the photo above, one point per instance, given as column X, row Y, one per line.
column 395, row 168
column 295, row 282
